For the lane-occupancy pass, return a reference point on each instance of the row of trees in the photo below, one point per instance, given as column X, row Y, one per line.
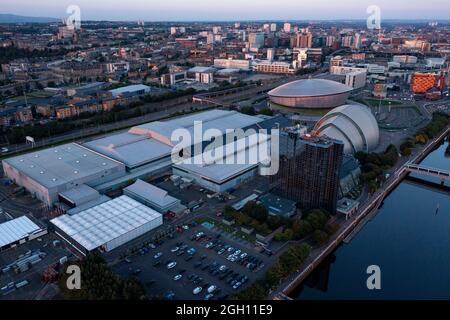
column 437, row 124
column 251, row 111
column 373, row 166
column 99, row 282
column 314, row 222
column 10, row 53
column 256, row 216
column 168, row 95
column 289, row 262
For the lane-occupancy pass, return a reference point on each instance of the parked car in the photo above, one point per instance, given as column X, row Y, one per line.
column 205, row 267
column 192, row 251
column 237, row 285
column 169, row 295
column 171, row 265
column 157, row 263
column 209, row 296
column 208, row 245
column 158, row 255
column 212, row 288
column 177, row 277
column 137, row 271
column 197, row 290
column 175, row 249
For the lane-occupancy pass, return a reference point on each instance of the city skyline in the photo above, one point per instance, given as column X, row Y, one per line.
column 200, row 10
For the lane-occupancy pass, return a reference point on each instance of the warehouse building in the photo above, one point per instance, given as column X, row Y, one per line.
column 108, row 225
column 147, row 148
column 133, row 90
column 49, row 172
column 229, row 165
column 111, row 162
column 153, row 197
column 18, row 231
column 278, row 206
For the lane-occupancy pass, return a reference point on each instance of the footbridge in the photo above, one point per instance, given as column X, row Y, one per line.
column 444, row 175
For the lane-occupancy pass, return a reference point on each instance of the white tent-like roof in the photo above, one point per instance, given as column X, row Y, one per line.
column 17, row 229
column 108, row 221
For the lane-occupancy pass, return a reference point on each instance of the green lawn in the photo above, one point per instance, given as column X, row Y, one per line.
column 376, row 102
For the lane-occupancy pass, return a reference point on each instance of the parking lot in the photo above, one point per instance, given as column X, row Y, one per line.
column 196, row 264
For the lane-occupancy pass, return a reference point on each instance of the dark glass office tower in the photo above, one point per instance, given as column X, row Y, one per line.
column 309, row 169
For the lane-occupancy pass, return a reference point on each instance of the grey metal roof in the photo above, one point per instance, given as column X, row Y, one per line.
column 277, row 205
column 214, row 119
column 151, row 141
column 131, row 149
column 224, row 165
column 101, row 224
column 16, row 229
column 61, row 165
column 310, row 88
column 80, row 194
column 131, row 88
column 151, row 193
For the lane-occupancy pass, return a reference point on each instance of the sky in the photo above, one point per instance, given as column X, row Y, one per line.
column 230, row 10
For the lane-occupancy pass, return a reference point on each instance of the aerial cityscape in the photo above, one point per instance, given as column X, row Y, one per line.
column 233, row 151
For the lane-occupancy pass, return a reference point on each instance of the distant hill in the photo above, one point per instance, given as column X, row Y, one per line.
column 12, row 18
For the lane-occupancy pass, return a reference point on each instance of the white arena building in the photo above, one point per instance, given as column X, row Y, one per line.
column 310, row 94
column 353, row 124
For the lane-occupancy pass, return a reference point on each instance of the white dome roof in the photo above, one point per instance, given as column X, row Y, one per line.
column 310, row 87
column 355, row 125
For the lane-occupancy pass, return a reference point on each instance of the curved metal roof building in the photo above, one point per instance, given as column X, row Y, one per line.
column 311, row 94
column 354, row 125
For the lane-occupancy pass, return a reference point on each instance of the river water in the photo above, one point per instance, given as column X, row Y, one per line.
column 409, row 239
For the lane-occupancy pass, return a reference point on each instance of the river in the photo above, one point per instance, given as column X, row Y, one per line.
column 409, row 239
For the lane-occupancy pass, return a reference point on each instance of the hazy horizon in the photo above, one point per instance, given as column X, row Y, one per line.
column 201, row 10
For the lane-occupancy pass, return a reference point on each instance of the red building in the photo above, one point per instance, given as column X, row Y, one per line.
column 421, row 83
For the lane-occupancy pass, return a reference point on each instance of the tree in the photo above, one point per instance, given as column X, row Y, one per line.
column 99, row 282
column 287, row 235
column 317, row 218
column 248, row 110
column 256, row 211
column 320, row 237
column 302, row 228
column 256, row 291
column 266, row 111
